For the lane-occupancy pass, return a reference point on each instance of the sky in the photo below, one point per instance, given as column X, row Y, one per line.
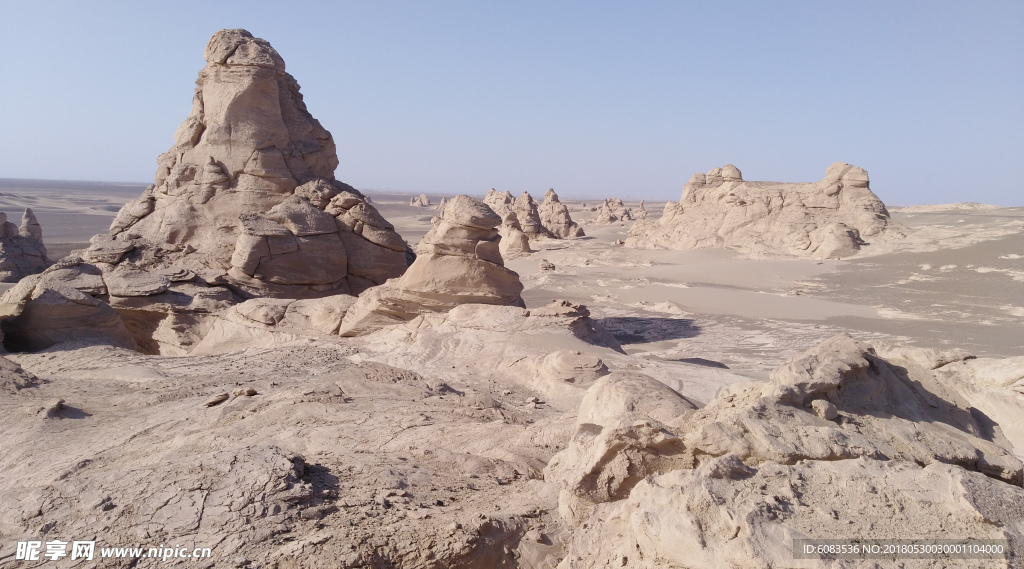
column 594, row 99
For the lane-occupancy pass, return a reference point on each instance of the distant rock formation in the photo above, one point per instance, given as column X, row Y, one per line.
column 499, row 202
column 441, row 204
column 458, row 262
column 245, row 204
column 514, row 243
column 528, row 213
column 641, row 212
column 612, row 210
column 22, row 252
column 828, row 219
column 554, row 216
column 420, row 201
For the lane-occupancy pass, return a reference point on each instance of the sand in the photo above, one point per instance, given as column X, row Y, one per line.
column 963, row 286
column 439, row 458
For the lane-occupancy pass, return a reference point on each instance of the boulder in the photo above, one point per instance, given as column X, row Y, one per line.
column 832, row 218
column 458, row 262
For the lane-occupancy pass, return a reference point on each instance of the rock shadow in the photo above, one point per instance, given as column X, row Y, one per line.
column 641, row 330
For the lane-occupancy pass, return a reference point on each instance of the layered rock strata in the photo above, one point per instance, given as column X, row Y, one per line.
column 832, row 218
column 650, row 477
column 514, row 243
column 554, row 216
column 244, row 204
column 458, row 262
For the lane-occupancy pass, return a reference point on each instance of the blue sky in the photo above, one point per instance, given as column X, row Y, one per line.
column 591, row 98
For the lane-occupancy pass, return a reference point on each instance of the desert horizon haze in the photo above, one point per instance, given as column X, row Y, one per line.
column 592, row 99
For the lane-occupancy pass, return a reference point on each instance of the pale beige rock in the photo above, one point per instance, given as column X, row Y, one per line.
column 245, row 201
column 22, row 252
column 514, row 243
column 725, row 514
column 641, row 212
column 618, row 441
column 526, row 210
column 554, row 216
column 572, row 367
column 441, row 204
column 420, row 201
column 247, row 194
column 500, row 202
column 612, row 210
column 830, row 423
column 832, row 218
column 268, row 322
column 76, row 273
column 39, row 313
column 458, row 262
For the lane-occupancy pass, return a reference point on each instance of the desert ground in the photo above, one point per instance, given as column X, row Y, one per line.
column 425, row 445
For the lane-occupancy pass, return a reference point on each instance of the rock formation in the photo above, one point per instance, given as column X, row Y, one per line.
column 22, row 252
column 612, row 210
column 440, row 205
column 827, row 219
column 245, row 204
column 641, row 212
column 514, row 243
column 500, row 202
column 526, row 210
column 554, row 216
column 649, row 477
column 41, row 311
column 419, row 201
column 458, row 262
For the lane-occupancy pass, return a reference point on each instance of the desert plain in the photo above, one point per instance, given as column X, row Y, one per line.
column 608, row 398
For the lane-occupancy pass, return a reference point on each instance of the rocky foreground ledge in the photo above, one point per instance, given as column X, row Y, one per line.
column 497, row 452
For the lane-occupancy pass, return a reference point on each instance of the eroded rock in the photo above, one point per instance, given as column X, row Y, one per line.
column 458, row 262
column 832, row 218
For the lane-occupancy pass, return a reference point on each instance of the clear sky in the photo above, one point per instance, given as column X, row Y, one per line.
column 592, row 98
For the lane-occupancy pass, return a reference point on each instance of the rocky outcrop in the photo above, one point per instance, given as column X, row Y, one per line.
column 40, row 312
column 526, row 210
column 458, row 262
column 514, row 243
column 22, row 252
column 764, row 463
column 247, row 197
column 500, row 202
column 832, row 218
column 244, row 204
column 420, row 201
column 612, row 210
column 554, row 216
column 641, row 212
column 441, row 204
